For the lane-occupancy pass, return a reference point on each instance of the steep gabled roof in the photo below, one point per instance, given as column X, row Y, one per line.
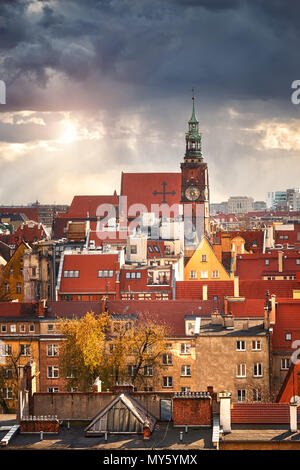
column 142, row 415
column 145, row 188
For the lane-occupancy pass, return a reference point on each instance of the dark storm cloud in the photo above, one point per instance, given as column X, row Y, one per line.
column 136, row 61
column 232, row 49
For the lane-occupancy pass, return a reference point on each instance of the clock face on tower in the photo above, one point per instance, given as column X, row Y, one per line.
column 192, row 193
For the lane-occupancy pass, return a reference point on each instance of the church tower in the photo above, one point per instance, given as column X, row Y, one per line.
column 194, row 184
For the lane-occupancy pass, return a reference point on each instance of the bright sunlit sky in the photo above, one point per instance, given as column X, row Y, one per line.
column 98, row 87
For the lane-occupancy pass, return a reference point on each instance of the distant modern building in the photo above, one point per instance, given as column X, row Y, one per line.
column 284, row 200
column 259, row 206
column 240, row 204
column 220, row 207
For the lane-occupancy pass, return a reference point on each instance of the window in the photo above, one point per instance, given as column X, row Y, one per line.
column 186, row 371
column 31, row 328
column 25, row 349
column 167, row 382
column 7, row 288
column 19, row 288
column 285, row 364
column 186, row 389
column 193, row 274
column 131, row 370
column 53, row 372
column 53, row 390
column 148, row 389
column 267, row 262
column 241, row 395
column 71, row 273
column 167, row 359
column 215, row 274
column 156, row 248
column 241, row 370
column 203, row 258
column 298, row 261
column 33, row 272
column 9, row 373
column 3, row 328
column 7, row 393
column 7, row 350
column 50, row 327
column 256, row 345
column 105, row 273
column 22, row 328
column 150, row 249
column 148, row 371
column 13, row 328
column 257, row 370
column 241, row 346
column 52, row 350
column 288, row 336
column 185, row 348
column 256, row 394
column 204, row 274
column 133, row 249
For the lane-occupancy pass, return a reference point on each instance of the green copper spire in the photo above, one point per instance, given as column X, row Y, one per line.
column 193, row 137
column 193, row 117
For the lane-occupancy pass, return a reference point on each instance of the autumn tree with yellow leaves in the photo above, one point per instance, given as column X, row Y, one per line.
column 112, row 348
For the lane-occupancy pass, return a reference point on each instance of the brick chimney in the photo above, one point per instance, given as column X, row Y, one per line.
column 280, row 261
column 40, row 308
column 225, row 306
column 229, row 321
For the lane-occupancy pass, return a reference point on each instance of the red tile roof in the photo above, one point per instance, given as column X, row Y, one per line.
column 192, row 290
column 247, row 308
column 140, row 188
column 251, row 289
column 26, row 232
column 88, row 266
column 172, row 313
column 287, row 321
column 252, row 266
column 260, row 413
column 86, row 206
column 291, row 384
column 69, row 309
column 18, row 309
column 30, row 212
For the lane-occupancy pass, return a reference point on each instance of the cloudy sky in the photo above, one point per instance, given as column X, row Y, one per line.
column 97, row 87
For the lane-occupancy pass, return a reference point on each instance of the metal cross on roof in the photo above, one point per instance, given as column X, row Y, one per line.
column 164, row 192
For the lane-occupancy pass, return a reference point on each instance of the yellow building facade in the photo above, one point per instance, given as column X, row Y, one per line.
column 205, row 265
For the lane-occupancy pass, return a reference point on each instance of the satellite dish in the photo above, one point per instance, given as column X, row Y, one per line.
column 295, row 399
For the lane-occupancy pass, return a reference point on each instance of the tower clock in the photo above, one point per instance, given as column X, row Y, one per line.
column 194, row 182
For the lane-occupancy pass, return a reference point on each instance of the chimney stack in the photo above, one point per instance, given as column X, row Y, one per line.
column 236, row 286
column 273, row 309
column 280, row 261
